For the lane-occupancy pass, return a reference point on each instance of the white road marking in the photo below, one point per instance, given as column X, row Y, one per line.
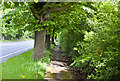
column 14, row 52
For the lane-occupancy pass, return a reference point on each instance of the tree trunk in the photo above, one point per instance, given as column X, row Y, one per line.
column 53, row 37
column 56, row 37
column 39, row 44
column 3, row 37
column 21, row 37
column 48, row 44
column 28, row 37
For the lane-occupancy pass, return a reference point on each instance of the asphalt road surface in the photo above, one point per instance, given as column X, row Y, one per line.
column 11, row 49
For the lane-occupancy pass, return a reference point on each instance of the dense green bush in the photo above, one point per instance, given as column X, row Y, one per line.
column 68, row 39
column 97, row 55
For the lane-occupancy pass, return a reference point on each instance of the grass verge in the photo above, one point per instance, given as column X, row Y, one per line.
column 15, row 40
column 24, row 67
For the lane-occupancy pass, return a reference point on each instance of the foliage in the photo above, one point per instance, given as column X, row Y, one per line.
column 52, row 46
column 24, row 67
column 68, row 39
column 88, row 31
column 97, row 55
column 72, row 27
column 11, row 27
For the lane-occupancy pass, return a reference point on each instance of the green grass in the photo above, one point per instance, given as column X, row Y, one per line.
column 24, row 67
column 15, row 40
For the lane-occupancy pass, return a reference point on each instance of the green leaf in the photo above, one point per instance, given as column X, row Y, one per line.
column 36, row 1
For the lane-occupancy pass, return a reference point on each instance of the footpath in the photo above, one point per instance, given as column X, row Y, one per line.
column 57, row 70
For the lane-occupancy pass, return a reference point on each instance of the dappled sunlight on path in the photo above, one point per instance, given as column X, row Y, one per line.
column 57, row 69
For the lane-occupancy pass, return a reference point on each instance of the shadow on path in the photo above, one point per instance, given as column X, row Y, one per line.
column 57, row 70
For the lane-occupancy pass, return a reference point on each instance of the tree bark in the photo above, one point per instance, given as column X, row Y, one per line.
column 53, row 37
column 3, row 37
column 48, row 44
column 39, row 44
column 28, row 37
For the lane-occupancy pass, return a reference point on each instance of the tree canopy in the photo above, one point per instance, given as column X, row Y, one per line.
column 89, row 32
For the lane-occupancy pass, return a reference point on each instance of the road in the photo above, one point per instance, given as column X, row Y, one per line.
column 11, row 49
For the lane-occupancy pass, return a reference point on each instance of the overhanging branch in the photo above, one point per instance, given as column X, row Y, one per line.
column 34, row 12
column 58, row 9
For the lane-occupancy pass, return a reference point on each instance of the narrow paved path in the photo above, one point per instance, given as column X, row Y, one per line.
column 57, row 69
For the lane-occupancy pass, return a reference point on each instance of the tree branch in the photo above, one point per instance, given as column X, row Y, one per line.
column 58, row 9
column 34, row 12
